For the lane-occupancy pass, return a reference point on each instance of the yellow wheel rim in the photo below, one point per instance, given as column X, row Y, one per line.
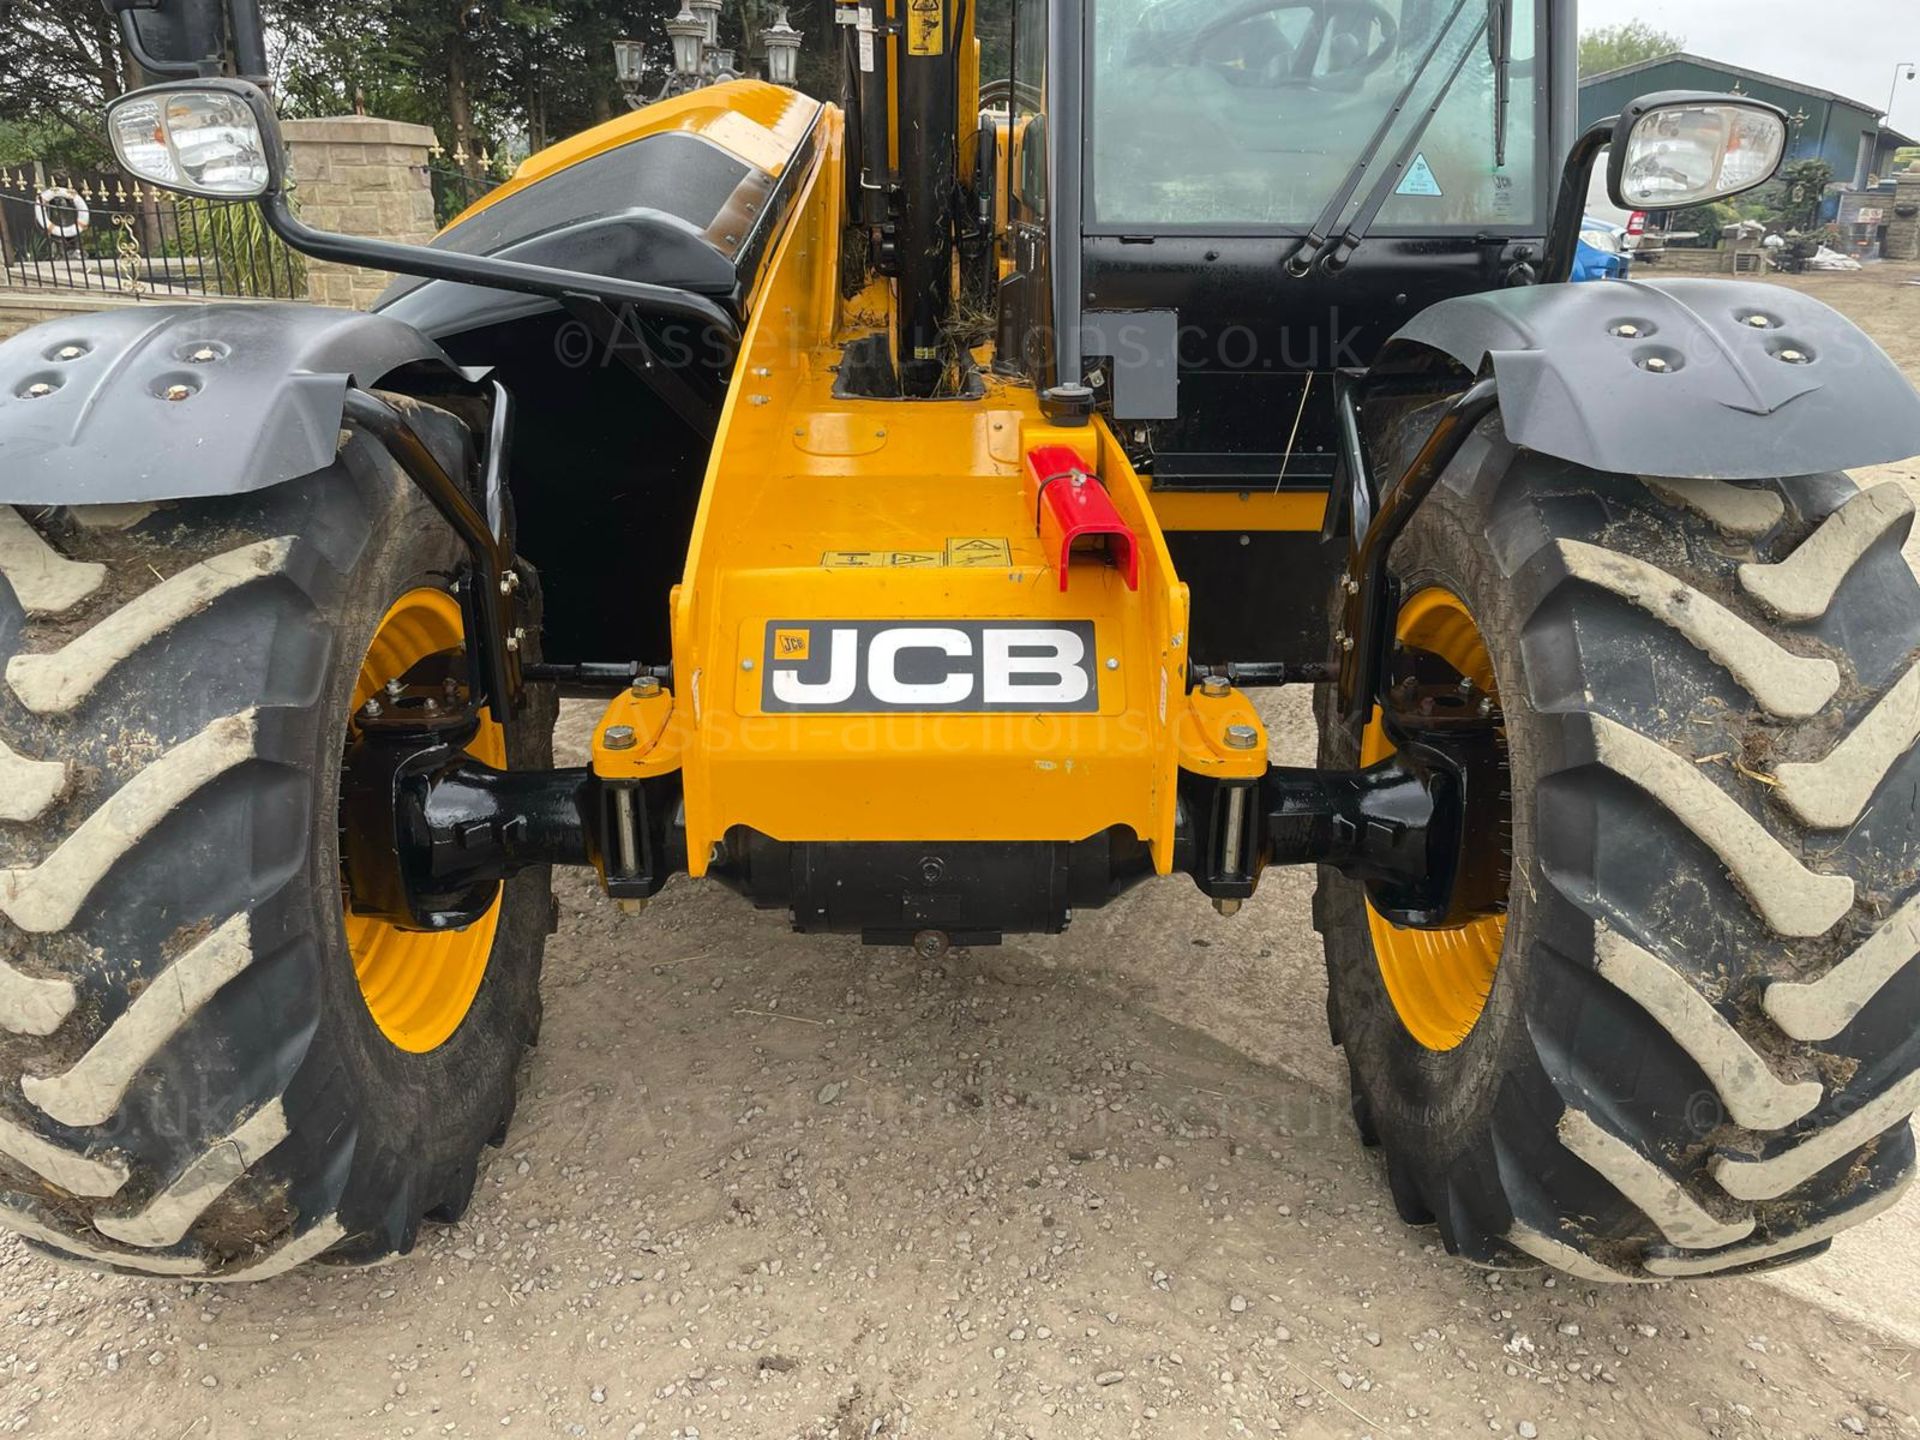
column 1438, row 980
column 418, row 986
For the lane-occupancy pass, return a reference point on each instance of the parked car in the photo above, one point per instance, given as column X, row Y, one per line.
column 1604, row 252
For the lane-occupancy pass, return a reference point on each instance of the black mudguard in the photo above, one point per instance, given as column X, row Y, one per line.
column 1678, row 378
column 175, row 402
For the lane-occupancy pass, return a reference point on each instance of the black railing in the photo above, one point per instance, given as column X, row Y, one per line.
column 112, row 234
column 454, row 190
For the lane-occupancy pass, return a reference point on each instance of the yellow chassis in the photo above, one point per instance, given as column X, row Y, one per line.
column 834, row 509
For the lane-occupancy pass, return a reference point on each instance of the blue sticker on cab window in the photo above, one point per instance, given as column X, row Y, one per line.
column 1420, row 180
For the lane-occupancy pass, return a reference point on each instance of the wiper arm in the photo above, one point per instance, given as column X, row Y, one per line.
column 1301, row 262
column 1500, row 50
column 1334, row 257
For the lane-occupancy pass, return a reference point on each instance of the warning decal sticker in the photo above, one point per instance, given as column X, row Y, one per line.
column 963, row 552
column 926, row 27
column 1420, row 180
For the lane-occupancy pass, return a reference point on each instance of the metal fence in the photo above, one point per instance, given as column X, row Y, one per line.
column 455, row 190
column 106, row 232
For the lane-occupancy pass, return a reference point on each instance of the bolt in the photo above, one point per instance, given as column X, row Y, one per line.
column 177, row 393
column 1346, row 643
column 757, row 399
column 205, row 355
column 1657, row 365
column 371, row 709
column 931, row 944
column 509, row 582
column 70, row 352
column 1796, row 357
column 646, row 687
column 1113, row 662
column 1351, row 586
column 513, row 640
column 1486, row 707
column 933, row 869
column 1215, row 687
column 1466, row 685
column 1242, row 737
column 1759, row 322
column 746, row 664
column 1226, row 909
column 38, row 391
column 394, row 687
column 1625, row 330
column 620, row 737
column 762, row 371
column 631, row 907
column 431, row 705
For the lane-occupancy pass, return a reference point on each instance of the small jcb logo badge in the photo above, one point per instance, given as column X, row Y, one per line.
column 864, row 666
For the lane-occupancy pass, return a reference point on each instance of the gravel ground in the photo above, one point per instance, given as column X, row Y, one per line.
column 1106, row 1185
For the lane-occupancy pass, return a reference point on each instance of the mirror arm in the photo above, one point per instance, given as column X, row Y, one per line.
column 664, row 302
column 1576, row 178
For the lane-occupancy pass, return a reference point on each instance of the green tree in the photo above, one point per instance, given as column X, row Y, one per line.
column 62, row 64
column 1614, row 46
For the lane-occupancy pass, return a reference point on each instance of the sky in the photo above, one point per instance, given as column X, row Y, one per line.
column 1847, row 46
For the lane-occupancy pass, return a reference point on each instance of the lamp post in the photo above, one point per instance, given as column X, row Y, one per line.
column 688, row 32
column 698, row 58
column 782, row 44
column 709, row 13
column 1893, row 92
column 630, row 62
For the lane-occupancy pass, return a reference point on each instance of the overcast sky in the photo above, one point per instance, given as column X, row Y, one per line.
column 1847, row 46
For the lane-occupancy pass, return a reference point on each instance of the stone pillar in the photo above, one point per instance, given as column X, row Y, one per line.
column 359, row 176
column 1903, row 225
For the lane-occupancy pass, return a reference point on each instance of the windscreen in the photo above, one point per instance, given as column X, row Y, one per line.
column 1242, row 113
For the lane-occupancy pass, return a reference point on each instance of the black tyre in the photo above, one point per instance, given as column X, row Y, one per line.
column 1697, row 1052
column 192, row 1081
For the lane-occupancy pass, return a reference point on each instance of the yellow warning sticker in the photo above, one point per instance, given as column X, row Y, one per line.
column 926, row 27
column 883, row 559
column 792, row 644
column 966, row 551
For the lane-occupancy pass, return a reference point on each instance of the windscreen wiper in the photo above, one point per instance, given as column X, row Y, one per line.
column 1301, row 262
column 1335, row 255
column 1500, row 51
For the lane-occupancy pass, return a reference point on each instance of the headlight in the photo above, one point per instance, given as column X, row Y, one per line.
column 202, row 139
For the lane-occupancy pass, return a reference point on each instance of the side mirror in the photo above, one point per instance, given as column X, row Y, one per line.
column 1677, row 149
column 1670, row 150
column 213, row 138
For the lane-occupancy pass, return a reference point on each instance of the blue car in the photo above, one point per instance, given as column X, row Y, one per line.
column 1603, row 253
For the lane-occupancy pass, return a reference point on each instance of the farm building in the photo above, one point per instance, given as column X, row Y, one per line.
column 1845, row 133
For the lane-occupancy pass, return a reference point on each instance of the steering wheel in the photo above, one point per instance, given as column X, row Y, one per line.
column 1353, row 59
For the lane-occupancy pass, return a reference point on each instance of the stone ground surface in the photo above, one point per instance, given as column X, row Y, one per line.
column 765, row 1185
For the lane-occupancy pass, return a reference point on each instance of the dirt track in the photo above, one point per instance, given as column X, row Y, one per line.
column 764, row 1185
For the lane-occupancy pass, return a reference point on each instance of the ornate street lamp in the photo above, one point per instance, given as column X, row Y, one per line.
column 689, row 35
column 782, row 43
column 630, row 62
column 709, row 13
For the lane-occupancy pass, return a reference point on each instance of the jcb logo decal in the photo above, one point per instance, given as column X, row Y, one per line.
column 862, row 666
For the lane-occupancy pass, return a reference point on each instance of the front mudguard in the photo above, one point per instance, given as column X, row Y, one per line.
column 1678, row 378
column 184, row 401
